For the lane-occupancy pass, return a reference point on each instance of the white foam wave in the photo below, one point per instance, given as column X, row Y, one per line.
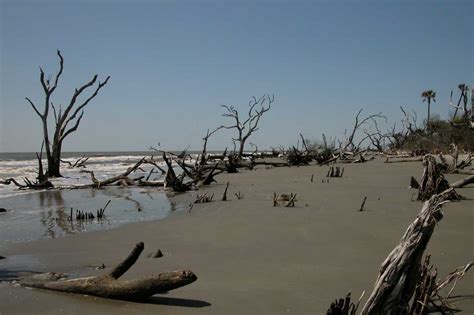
column 102, row 166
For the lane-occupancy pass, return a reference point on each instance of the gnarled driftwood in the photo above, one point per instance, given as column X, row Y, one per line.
column 400, row 272
column 108, row 285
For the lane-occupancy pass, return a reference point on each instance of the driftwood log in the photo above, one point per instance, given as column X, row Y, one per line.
column 403, row 159
column 108, row 285
column 400, row 272
column 463, row 182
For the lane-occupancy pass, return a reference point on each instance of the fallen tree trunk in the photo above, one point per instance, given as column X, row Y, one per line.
column 274, row 164
column 108, row 286
column 400, row 272
column 97, row 183
column 463, row 182
column 402, row 160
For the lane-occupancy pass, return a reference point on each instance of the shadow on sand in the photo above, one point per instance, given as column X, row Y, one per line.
column 161, row 300
column 12, row 274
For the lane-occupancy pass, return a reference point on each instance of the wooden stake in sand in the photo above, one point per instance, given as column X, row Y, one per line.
column 224, row 196
column 108, row 285
column 291, row 202
column 363, row 204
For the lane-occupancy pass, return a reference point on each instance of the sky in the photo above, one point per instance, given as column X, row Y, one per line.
column 173, row 63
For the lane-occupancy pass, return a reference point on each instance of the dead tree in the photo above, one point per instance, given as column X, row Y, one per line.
column 400, row 272
column 72, row 114
column 463, row 88
column 108, row 286
column 397, row 138
column 176, row 183
column 80, row 162
column 358, row 123
column 433, row 181
column 376, row 137
column 410, row 121
column 245, row 128
column 297, row 157
column 201, row 172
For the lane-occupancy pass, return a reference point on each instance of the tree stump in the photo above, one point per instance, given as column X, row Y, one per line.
column 432, row 181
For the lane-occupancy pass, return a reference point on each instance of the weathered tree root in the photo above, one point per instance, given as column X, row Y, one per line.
column 344, row 306
column 108, row 286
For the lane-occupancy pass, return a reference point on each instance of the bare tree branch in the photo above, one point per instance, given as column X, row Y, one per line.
column 250, row 124
column 61, row 119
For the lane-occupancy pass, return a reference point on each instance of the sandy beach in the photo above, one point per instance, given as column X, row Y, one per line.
column 251, row 257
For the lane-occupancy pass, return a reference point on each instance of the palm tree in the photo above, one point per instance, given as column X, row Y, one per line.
column 429, row 96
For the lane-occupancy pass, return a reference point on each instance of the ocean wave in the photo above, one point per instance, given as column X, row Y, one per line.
column 102, row 166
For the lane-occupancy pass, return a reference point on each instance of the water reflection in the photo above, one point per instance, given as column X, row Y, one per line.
column 53, row 203
column 138, row 205
column 46, row 214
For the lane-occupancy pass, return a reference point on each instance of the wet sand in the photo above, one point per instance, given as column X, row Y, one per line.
column 253, row 258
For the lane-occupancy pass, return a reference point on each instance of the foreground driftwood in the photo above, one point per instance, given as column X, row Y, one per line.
column 401, row 271
column 108, row 285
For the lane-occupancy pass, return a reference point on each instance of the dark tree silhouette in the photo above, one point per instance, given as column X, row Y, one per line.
column 72, row 114
column 428, row 96
column 245, row 128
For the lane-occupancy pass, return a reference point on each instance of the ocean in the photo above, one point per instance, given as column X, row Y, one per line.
column 33, row 215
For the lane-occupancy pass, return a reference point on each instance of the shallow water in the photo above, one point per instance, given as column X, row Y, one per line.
column 46, row 214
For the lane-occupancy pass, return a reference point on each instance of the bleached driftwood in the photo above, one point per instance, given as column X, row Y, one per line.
column 108, row 285
column 463, row 182
column 399, row 274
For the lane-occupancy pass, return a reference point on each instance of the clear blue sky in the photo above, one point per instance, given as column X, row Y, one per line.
column 174, row 62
